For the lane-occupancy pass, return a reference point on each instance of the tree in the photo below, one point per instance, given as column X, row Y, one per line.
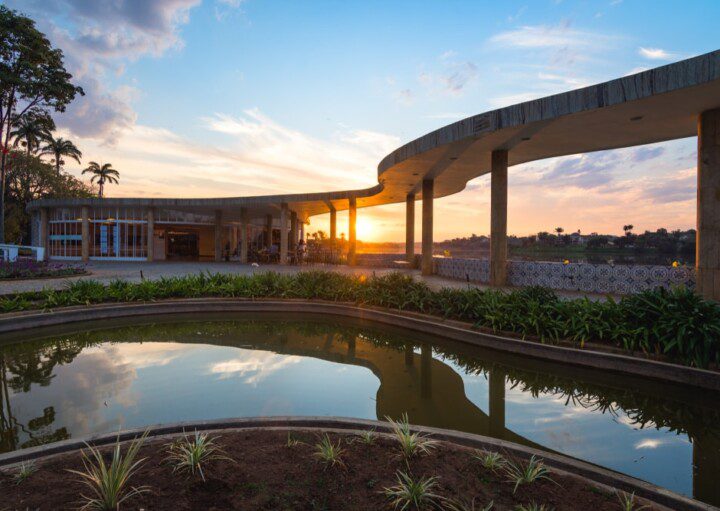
column 32, row 76
column 32, row 129
column 628, row 229
column 102, row 174
column 59, row 148
column 28, row 179
column 559, row 230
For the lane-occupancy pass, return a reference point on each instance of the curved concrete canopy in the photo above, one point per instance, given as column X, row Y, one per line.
column 652, row 106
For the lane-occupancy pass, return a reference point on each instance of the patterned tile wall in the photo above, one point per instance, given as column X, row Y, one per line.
column 585, row 277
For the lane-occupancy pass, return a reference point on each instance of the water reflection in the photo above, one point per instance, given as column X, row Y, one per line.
column 101, row 379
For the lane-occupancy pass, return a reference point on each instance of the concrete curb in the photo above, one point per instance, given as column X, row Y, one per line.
column 561, row 463
column 635, row 366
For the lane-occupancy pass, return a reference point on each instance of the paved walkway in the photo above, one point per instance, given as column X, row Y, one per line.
column 107, row 271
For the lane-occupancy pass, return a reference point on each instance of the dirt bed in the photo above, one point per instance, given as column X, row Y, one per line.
column 268, row 474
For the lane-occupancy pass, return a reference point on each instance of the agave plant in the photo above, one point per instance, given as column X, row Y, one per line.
column 490, row 460
column 110, row 483
column 628, row 502
column 411, row 444
column 535, row 470
column 329, row 453
column 190, row 454
column 412, row 493
column 24, row 471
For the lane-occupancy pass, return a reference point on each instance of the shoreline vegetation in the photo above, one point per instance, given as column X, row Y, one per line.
column 676, row 324
column 29, row 269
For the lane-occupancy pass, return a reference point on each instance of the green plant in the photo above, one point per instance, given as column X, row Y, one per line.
column 677, row 323
column 25, row 470
column 292, row 442
column 628, row 501
column 532, row 506
column 412, row 493
column 526, row 474
column 463, row 505
column 411, row 444
column 109, row 483
column 329, row 453
column 490, row 460
column 367, row 437
column 192, row 453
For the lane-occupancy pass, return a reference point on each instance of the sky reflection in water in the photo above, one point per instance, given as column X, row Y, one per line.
column 103, row 380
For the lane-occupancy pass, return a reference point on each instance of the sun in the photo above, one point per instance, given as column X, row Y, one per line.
column 364, row 229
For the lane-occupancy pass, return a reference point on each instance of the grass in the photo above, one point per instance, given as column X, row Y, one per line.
column 329, row 453
column 410, row 444
column 190, row 454
column 677, row 323
column 490, row 460
column 25, row 470
column 519, row 474
column 628, row 502
column 110, row 483
column 412, row 493
column 367, row 437
column 292, row 442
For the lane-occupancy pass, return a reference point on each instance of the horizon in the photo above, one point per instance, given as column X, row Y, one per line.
column 191, row 99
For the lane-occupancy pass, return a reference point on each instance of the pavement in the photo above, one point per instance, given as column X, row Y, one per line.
column 107, row 271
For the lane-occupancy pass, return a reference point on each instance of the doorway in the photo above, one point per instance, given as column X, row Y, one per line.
column 182, row 245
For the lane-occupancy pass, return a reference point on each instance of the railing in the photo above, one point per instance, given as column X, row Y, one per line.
column 10, row 253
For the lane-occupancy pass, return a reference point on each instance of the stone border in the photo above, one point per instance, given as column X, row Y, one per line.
column 558, row 462
column 454, row 330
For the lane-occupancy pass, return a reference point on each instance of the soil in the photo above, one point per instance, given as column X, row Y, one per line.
column 267, row 474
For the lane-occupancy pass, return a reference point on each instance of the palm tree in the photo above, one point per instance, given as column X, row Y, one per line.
column 29, row 132
column 59, row 147
column 102, row 174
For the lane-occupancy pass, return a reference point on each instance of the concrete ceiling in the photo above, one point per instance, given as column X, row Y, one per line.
column 653, row 106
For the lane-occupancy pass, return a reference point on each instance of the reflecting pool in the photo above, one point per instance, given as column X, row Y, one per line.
column 100, row 377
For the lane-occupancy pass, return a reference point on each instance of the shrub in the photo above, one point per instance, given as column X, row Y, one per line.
column 677, row 324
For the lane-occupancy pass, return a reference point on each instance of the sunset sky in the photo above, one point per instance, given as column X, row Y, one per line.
column 251, row 97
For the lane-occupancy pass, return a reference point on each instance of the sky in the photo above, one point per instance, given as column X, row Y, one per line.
column 213, row 98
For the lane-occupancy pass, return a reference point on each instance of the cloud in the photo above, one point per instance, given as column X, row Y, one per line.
column 253, row 367
column 647, row 153
column 650, row 443
column 546, row 36
column 452, row 79
column 679, row 188
column 655, row 53
column 586, row 171
column 98, row 42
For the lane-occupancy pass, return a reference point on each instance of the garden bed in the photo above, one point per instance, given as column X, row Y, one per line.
column 271, row 469
column 25, row 269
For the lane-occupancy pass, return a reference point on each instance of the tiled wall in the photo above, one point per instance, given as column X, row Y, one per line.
column 585, row 277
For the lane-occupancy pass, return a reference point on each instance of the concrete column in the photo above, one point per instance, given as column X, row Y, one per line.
column 45, row 232
column 243, row 236
column 497, row 403
column 498, row 218
column 707, row 246
column 352, row 238
column 427, row 226
column 293, row 231
column 233, row 239
column 302, row 230
column 268, row 231
column 218, row 236
column 426, row 371
column 85, row 233
column 333, row 227
column 410, row 228
column 150, row 234
column 283, row 233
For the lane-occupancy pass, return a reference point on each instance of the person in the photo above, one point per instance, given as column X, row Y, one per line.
column 301, row 251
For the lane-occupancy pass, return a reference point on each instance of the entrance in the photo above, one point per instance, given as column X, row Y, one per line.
column 182, row 245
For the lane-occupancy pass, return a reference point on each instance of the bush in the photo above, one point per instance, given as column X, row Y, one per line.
column 678, row 323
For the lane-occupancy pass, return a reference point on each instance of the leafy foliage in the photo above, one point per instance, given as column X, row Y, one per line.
column 412, row 493
column 190, row 454
column 677, row 324
column 535, row 470
column 109, row 483
column 328, row 452
column 410, row 444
